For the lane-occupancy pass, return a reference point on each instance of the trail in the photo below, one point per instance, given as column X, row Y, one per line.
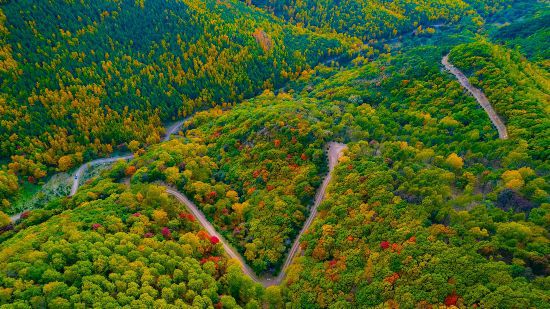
column 334, row 153
column 479, row 96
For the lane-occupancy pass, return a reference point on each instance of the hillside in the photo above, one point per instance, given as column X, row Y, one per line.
column 80, row 80
column 370, row 20
column 306, row 170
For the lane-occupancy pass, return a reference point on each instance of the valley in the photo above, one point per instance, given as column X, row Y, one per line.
column 264, row 154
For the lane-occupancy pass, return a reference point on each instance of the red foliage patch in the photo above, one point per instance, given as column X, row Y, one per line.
column 277, row 143
column 384, row 245
column 214, row 240
column 391, row 279
column 166, row 232
column 396, row 248
column 96, row 226
column 188, row 217
column 303, row 156
column 148, row 235
column 451, row 299
column 137, row 214
column 25, row 214
column 202, row 235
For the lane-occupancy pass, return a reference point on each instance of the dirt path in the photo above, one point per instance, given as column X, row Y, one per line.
column 479, row 96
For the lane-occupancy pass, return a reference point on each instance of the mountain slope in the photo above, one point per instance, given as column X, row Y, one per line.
column 80, row 79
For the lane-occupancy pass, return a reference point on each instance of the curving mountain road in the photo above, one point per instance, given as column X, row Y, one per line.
column 212, row 231
column 170, row 130
column 334, row 153
column 479, row 96
column 80, row 171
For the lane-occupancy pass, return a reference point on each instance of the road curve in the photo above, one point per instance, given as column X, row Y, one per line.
column 479, row 96
column 172, row 129
column 193, row 209
column 80, row 171
column 334, row 153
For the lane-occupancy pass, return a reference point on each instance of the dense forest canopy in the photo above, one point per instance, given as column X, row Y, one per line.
column 81, row 79
column 426, row 206
column 370, row 20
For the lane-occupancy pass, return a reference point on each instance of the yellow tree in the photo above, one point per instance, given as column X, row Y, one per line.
column 65, row 163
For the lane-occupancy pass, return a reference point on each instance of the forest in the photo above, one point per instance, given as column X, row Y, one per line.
column 426, row 207
column 81, row 80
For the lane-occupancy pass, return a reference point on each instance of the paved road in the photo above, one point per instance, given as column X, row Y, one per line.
column 480, row 97
column 212, row 231
column 170, row 130
column 334, row 153
column 82, row 169
column 173, row 129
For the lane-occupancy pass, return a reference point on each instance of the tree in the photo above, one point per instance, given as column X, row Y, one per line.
column 133, row 145
column 4, row 220
column 454, row 161
column 65, row 163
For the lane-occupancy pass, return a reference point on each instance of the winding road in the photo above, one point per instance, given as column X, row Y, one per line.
column 82, row 169
column 479, row 96
column 170, row 130
column 334, row 153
